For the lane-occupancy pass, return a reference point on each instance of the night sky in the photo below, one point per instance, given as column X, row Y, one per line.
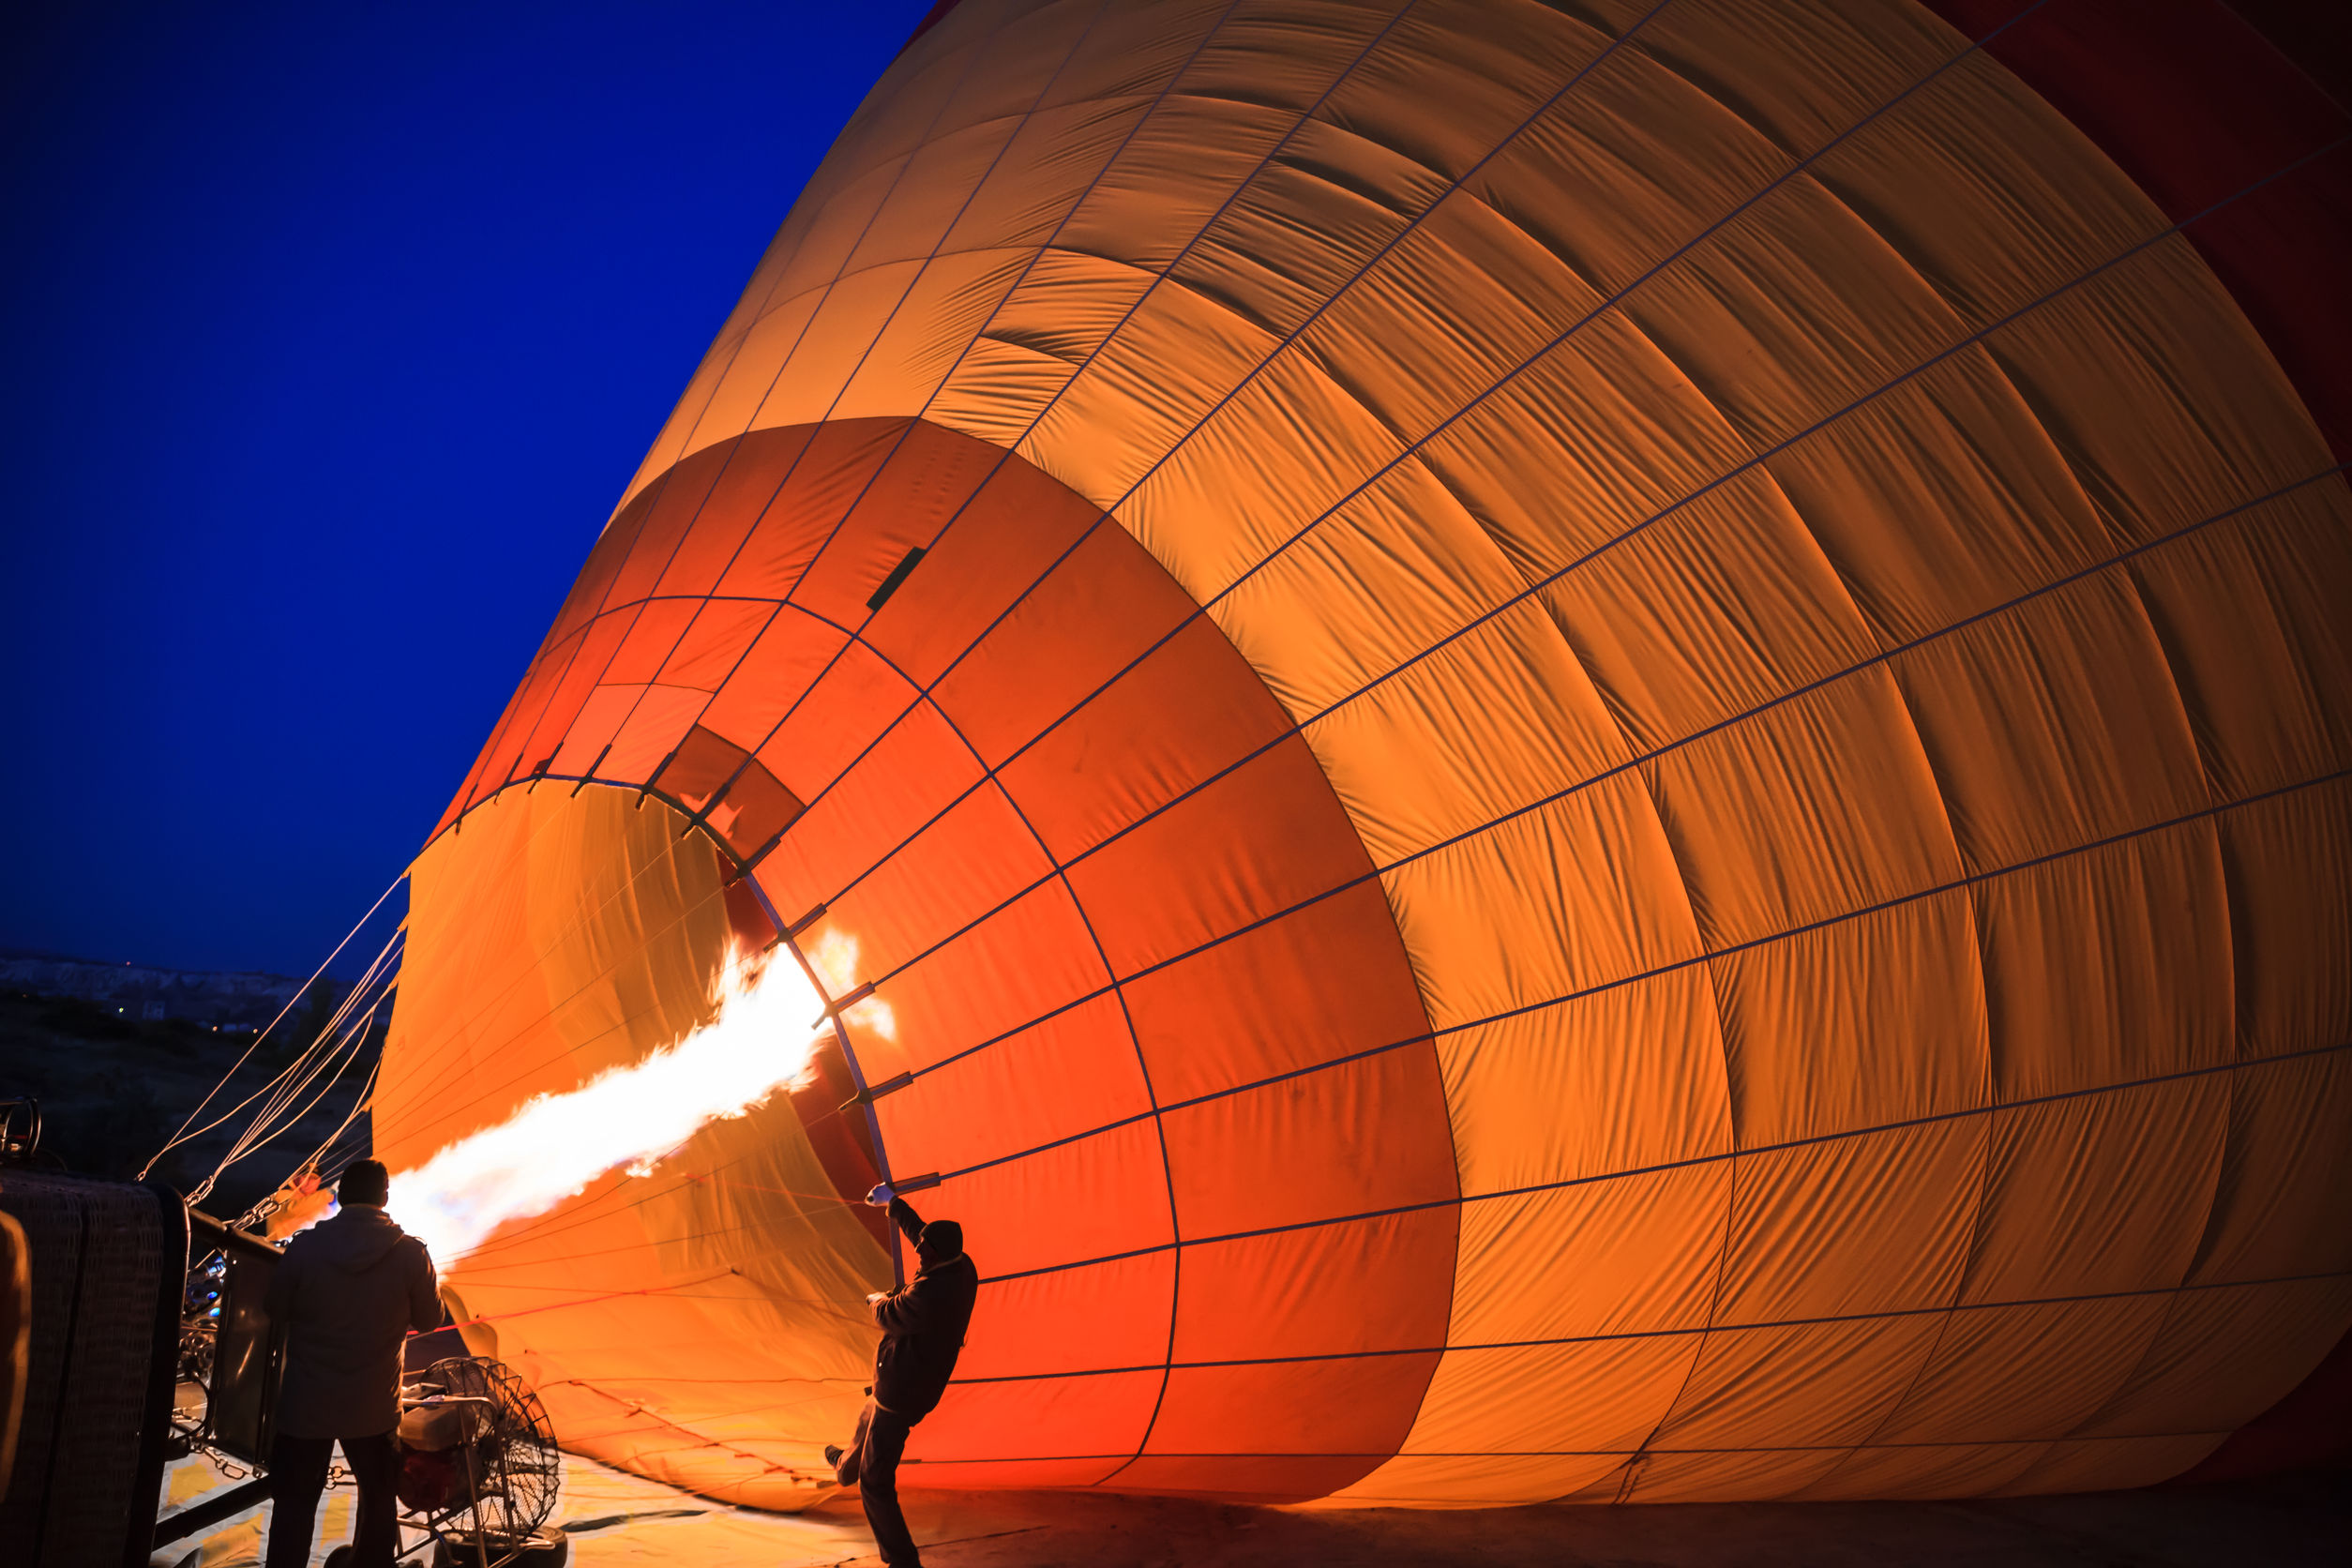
column 331, row 333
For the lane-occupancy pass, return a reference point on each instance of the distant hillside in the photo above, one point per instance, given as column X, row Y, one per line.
column 118, row 1054
column 147, row 994
column 112, row 1088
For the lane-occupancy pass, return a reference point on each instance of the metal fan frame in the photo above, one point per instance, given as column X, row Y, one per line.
column 520, row 1467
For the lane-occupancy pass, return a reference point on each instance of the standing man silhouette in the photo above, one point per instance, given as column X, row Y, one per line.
column 345, row 1296
column 923, row 1331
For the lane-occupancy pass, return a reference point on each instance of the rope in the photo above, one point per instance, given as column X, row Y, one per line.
column 367, row 1098
column 288, row 1096
column 338, row 1037
column 183, row 1135
column 331, row 1037
column 263, row 1133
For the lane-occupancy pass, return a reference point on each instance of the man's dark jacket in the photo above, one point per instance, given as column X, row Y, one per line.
column 345, row 1295
column 923, row 1324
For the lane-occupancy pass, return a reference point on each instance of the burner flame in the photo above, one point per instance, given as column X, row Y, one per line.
column 628, row 1118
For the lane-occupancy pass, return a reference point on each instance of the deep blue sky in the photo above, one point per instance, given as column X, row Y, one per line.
column 331, row 334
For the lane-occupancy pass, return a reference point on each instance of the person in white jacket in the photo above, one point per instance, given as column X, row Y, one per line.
column 344, row 1297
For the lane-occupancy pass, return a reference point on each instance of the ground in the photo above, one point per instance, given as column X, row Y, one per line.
column 619, row 1521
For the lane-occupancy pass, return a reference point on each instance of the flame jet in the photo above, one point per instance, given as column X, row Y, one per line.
column 625, row 1118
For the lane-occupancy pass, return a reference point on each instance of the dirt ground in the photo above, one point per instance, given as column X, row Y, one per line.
column 620, row 1521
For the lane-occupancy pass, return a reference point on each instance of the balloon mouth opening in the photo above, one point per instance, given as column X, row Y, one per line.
column 722, row 1018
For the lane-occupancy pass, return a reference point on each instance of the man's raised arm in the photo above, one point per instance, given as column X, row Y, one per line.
column 902, row 1212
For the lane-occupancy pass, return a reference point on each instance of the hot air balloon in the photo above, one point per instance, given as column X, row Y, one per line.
column 1574, row 751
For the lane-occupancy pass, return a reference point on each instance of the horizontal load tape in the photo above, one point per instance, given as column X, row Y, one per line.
column 871, row 1093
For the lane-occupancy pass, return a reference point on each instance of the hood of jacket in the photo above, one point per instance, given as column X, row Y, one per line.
column 356, row 1239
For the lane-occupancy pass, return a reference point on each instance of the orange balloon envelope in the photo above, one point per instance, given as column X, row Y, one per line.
column 1542, row 751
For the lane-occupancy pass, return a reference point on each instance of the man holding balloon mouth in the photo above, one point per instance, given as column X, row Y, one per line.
column 922, row 1326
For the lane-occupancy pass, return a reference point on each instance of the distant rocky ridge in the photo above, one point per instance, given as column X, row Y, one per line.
column 147, row 994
